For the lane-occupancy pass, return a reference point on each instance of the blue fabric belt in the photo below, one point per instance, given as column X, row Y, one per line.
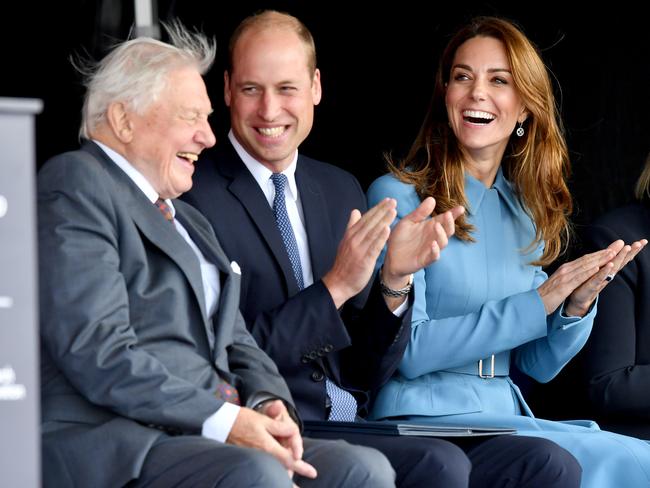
column 501, row 366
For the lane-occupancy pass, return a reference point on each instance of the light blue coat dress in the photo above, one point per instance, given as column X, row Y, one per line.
column 479, row 300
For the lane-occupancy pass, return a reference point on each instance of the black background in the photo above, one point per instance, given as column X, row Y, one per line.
column 377, row 66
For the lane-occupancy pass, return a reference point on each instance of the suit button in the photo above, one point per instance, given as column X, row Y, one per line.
column 321, row 352
column 305, row 358
column 312, row 355
column 328, row 348
column 317, row 376
column 398, row 335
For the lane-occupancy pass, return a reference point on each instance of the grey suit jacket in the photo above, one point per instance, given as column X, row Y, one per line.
column 128, row 351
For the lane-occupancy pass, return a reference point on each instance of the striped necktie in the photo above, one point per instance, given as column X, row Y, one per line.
column 227, row 392
column 165, row 210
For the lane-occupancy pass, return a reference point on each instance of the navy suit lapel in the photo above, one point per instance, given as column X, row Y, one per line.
column 244, row 187
column 317, row 221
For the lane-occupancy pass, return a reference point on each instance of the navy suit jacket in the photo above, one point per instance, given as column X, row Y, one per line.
column 615, row 363
column 357, row 347
column 609, row 380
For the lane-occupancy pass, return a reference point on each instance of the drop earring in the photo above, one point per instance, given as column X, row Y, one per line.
column 520, row 130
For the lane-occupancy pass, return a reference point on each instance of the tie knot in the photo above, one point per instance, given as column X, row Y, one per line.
column 280, row 181
column 164, row 209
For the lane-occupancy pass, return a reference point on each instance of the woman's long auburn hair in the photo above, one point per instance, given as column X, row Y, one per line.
column 537, row 164
column 642, row 189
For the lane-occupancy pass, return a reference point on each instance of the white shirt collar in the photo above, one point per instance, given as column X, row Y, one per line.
column 261, row 173
column 137, row 177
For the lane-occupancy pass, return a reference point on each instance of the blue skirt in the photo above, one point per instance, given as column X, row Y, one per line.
column 608, row 460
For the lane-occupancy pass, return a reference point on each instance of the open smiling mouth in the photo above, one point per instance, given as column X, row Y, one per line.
column 271, row 131
column 478, row 117
column 188, row 156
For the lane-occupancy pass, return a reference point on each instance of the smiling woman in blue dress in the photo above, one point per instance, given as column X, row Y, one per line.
column 492, row 142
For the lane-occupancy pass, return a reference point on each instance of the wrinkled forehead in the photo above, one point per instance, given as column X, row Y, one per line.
column 183, row 88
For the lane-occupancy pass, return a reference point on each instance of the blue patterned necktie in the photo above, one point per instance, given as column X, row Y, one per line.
column 344, row 405
column 284, row 224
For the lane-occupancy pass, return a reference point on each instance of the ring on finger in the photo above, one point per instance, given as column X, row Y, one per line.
column 610, row 277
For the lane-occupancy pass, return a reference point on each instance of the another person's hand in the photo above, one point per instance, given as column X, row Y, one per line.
column 579, row 281
column 416, row 241
column 275, row 433
column 358, row 251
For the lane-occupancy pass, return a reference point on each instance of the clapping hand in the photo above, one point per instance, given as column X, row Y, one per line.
column 358, row 251
column 579, row 281
column 417, row 240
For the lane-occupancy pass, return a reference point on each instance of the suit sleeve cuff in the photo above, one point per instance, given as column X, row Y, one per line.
column 563, row 321
column 399, row 311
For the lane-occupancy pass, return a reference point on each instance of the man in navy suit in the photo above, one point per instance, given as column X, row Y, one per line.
column 307, row 250
column 149, row 376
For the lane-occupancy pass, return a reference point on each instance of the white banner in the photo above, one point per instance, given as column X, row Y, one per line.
column 19, row 386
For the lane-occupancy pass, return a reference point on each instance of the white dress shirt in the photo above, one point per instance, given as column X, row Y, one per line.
column 219, row 424
column 292, row 199
column 294, row 208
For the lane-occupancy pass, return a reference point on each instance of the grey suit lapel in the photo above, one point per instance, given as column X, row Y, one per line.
column 155, row 228
column 230, row 283
column 166, row 237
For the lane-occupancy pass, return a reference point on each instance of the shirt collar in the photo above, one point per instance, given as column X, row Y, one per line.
column 475, row 191
column 261, row 173
column 135, row 175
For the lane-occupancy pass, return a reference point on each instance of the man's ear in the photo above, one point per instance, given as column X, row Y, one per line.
column 120, row 122
column 316, row 89
column 226, row 88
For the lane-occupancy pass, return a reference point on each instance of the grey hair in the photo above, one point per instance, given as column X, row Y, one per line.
column 135, row 71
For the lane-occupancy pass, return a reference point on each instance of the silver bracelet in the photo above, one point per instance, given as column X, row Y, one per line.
column 389, row 292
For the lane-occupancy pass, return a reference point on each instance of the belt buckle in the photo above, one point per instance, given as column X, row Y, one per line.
column 480, row 368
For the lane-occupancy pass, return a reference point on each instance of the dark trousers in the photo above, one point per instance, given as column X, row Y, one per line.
column 511, row 461
column 496, row 462
column 197, row 462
